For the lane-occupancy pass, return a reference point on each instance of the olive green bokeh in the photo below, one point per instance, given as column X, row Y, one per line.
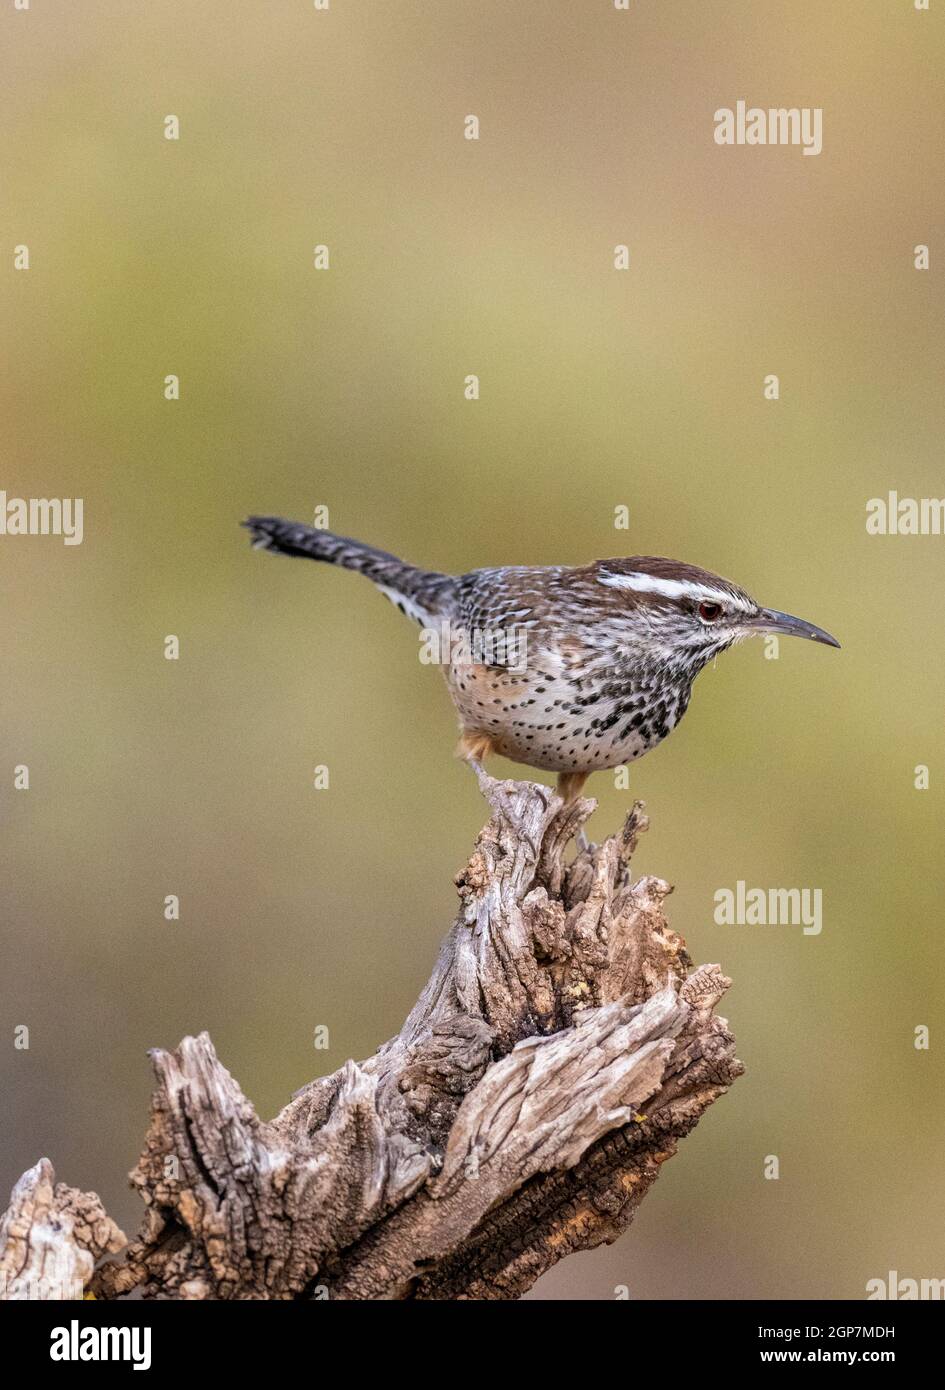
column 599, row 389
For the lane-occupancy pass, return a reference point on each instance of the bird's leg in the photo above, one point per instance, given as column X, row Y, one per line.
column 472, row 748
column 570, row 786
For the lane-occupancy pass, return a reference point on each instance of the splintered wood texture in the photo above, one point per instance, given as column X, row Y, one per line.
column 560, row 1050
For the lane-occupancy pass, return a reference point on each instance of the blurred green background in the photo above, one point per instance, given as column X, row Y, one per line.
column 344, row 388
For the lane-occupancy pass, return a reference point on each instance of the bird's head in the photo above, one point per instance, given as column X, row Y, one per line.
column 684, row 615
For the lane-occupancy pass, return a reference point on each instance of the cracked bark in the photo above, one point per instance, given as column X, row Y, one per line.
column 559, row 1052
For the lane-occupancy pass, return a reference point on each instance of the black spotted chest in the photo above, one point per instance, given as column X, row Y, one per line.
column 569, row 722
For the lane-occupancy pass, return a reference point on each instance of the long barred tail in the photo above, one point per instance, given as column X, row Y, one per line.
column 422, row 594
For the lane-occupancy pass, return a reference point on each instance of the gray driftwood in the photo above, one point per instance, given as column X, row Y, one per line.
column 559, row 1052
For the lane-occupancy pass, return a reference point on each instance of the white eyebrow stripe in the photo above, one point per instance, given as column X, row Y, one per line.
column 667, row 588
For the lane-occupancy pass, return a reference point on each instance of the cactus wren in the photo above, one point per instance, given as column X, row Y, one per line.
column 603, row 656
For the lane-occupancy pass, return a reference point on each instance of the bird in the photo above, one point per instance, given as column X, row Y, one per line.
column 568, row 669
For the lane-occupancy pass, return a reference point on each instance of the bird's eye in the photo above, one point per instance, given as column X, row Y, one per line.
column 710, row 612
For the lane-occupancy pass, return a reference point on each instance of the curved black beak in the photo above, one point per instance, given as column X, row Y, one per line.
column 770, row 620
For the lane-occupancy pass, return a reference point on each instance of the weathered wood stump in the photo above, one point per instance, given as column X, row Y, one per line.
column 559, row 1052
